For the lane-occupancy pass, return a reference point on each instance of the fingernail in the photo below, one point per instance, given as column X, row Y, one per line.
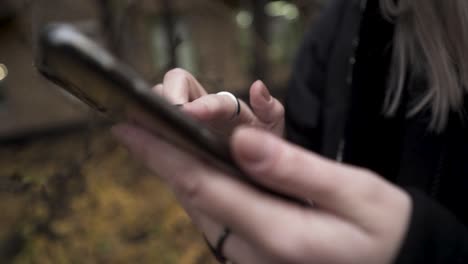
column 252, row 145
column 265, row 93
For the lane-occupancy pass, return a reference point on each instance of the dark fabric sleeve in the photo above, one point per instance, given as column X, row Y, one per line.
column 434, row 236
column 308, row 79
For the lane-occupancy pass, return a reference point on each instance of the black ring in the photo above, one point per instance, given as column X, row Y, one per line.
column 238, row 107
column 218, row 250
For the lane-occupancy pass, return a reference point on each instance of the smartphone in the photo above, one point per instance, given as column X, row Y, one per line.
column 90, row 73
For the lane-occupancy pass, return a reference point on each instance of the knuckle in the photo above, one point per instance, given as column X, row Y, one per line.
column 190, row 188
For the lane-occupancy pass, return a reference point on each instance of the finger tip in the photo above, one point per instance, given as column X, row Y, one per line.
column 260, row 94
column 259, row 83
column 257, row 86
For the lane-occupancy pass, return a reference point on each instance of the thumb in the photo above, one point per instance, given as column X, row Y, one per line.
column 268, row 109
column 289, row 169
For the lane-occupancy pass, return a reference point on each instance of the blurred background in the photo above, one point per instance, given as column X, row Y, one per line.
column 68, row 192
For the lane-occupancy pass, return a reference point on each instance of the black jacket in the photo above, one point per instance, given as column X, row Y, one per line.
column 334, row 107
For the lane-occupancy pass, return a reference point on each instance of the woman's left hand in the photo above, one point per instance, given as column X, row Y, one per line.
column 357, row 217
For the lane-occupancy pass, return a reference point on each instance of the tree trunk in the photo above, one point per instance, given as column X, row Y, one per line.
column 169, row 26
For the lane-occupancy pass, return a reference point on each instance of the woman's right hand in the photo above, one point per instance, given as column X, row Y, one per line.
column 216, row 110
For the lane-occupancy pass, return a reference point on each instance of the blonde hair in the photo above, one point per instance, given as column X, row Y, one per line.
column 431, row 41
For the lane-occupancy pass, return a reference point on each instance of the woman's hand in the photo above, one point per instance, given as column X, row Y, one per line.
column 357, row 216
column 181, row 88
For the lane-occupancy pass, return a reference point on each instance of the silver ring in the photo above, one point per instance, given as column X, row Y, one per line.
column 236, row 101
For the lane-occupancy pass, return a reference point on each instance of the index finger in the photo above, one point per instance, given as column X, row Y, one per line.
column 181, row 87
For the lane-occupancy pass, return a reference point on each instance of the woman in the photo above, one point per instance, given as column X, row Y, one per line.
column 377, row 85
